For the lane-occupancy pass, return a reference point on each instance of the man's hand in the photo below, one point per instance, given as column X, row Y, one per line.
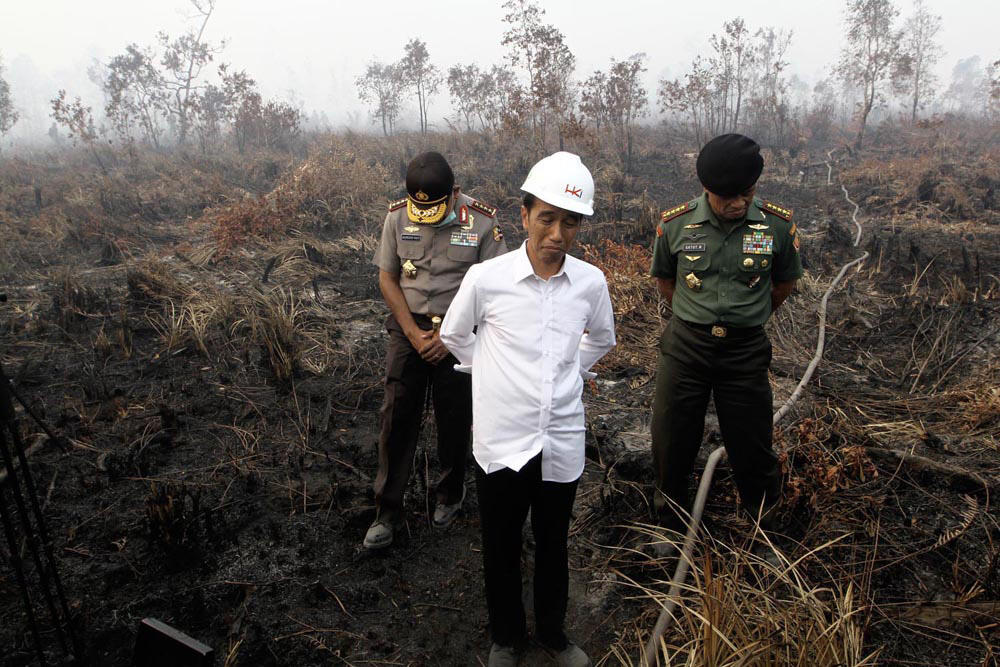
column 428, row 344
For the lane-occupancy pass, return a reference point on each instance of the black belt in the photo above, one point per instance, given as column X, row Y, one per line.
column 723, row 330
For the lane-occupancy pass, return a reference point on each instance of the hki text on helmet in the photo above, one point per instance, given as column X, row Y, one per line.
column 562, row 180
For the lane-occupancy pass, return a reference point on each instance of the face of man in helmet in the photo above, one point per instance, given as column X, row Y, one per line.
column 731, row 208
column 551, row 231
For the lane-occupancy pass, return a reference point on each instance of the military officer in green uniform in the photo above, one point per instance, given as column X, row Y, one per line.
column 429, row 240
column 724, row 261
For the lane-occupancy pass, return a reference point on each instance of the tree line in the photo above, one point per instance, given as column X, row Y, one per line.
column 160, row 93
column 741, row 82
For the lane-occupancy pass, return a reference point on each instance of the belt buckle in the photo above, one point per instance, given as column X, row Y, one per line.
column 718, row 331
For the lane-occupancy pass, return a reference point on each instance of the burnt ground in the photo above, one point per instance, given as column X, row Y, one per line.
column 219, row 412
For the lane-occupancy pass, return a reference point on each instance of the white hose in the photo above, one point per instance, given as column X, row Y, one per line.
column 649, row 658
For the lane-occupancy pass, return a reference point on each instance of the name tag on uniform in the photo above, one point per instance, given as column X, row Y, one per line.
column 411, row 237
column 464, row 237
column 758, row 243
column 694, row 247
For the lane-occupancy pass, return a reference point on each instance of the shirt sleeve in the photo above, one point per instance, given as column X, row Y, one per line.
column 599, row 336
column 461, row 317
column 664, row 263
column 787, row 261
column 386, row 257
column 492, row 246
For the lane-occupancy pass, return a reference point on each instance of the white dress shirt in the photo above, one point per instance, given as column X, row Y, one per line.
column 534, row 345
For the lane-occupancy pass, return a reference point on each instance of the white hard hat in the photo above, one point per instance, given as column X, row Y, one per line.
column 561, row 180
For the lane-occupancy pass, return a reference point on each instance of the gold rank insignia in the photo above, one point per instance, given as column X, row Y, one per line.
column 672, row 213
column 748, row 262
column 396, row 205
column 409, row 270
column 758, row 227
column 490, row 211
column 691, row 258
column 780, row 211
column 693, row 281
column 763, row 263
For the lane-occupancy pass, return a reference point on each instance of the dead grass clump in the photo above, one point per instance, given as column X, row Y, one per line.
column 752, row 605
column 333, row 186
column 156, row 282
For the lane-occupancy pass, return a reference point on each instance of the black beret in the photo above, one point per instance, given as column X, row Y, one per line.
column 729, row 164
column 429, row 179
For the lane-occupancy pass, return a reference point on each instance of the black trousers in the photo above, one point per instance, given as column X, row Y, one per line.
column 408, row 378
column 693, row 365
column 505, row 496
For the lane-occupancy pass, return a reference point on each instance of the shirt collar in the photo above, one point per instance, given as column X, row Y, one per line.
column 522, row 266
column 704, row 212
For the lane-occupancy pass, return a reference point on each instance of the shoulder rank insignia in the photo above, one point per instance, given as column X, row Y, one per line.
column 396, row 205
column 672, row 213
column 490, row 211
column 783, row 213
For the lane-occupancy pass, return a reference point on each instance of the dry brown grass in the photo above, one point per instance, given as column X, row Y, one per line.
column 749, row 605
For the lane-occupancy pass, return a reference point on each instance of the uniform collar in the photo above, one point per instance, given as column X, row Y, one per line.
column 704, row 212
column 522, row 268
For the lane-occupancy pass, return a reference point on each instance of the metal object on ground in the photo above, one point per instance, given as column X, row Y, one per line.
column 25, row 530
column 159, row 645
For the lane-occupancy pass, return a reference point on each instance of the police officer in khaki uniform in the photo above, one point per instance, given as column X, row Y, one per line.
column 429, row 240
column 724, row 261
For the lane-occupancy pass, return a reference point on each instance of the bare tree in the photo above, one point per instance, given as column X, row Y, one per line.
column 617, row 99
column 994, row 96
column 770, row 116
column 919, row 53
column 183, row 60
column 135, row 96
column 79, row 123
column 867, row 59
column 734, row 56
column 693, row 99
column 462, row 83
column 8, row 114
column 969, row 90
column 380, row 87
column 418, row 73
column 540, row 50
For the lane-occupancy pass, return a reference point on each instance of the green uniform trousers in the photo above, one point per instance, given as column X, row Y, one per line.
column 693, row 365
column 408, row 379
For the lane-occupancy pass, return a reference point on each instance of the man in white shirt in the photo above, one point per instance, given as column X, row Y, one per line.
column 530, row 324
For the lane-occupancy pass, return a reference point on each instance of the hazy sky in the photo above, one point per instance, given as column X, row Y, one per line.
column 309, row 52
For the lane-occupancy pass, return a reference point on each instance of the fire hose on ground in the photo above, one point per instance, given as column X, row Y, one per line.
column 663, row 622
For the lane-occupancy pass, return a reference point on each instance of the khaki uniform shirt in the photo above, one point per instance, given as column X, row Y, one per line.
column 723, row 271
column 439, row 255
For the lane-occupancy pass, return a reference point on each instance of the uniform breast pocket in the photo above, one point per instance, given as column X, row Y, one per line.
column 570, row 332
column 463, row 253
column 410, row 249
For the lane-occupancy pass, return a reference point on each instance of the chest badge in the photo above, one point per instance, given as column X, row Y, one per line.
column 693, row 281
column 464, row 237
column 411, row 237
column 763, row 263
column 694, row 225
column 692, row 258
column 758, row 227
column 695, row 237
column 694, row 247
column 748, row 262
column 753, row 282
column 758, row 243
column 409, row 270
column 465, row 218
column 411, row 229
